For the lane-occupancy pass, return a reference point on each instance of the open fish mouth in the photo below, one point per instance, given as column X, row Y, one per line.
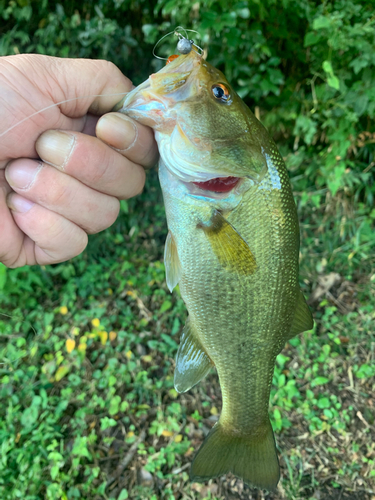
column 219, row 184
column 217, row 188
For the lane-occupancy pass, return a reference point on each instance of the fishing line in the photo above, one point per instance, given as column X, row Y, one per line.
column 175, row 32
column 58, row 104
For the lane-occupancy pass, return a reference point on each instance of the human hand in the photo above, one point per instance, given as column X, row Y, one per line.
column 58, row 186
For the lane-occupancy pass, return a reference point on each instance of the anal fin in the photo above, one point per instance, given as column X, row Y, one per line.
column 173, row 269
column 303, row 319
column 192, row 361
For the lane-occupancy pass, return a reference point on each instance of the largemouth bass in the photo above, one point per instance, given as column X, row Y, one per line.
column 232, row 247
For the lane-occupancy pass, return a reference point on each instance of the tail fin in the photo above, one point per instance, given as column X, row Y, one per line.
column 253, row 458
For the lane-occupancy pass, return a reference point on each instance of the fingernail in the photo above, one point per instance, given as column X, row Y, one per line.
column 22, row 174
column 117, row 131
column 55, row 147
column 18, row 203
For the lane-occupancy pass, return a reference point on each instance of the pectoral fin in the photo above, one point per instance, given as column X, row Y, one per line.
column 172, row 262
column 230, row 248
column 192, row 361
column 302, row 320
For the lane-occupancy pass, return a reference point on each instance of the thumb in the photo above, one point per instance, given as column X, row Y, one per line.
column 30, row 83
column 98, row 84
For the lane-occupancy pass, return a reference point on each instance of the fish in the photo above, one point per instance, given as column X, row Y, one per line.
column 233, row 249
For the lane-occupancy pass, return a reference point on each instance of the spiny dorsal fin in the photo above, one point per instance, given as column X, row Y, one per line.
column 173, row 269
column 230, row 248
column 303, row 319
column 192, row 361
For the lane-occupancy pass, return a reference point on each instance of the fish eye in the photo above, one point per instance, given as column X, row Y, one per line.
column 220, row 92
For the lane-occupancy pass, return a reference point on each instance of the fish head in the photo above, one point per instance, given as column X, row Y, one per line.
column 203, row 128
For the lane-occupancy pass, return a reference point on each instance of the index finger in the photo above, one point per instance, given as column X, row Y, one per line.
column 92, row 162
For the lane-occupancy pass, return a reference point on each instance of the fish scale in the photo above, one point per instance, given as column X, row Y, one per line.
column 233, row 253
column 265, row 323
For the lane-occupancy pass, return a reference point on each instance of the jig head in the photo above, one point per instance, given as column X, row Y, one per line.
column 184, row 44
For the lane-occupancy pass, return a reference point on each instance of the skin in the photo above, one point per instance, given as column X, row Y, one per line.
column 58, row 181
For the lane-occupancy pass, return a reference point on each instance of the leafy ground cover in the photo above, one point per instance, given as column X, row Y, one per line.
column 88, row 404
column 88, row 409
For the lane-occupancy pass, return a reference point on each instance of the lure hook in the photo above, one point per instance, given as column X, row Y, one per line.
column 184, row 45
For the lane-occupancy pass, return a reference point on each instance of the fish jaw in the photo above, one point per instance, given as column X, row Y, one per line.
column 153, row 102
column 148, row 108
column 199, row 138
column 187, row 194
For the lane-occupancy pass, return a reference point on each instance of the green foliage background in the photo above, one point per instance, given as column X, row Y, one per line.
column 307, row 68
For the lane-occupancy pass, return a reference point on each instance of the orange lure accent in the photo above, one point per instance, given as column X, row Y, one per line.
column 171, row 58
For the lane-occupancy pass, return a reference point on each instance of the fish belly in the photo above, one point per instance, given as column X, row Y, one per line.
column 241, row 321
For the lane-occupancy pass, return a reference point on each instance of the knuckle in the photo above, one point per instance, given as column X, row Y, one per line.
column 55, row 227
column 81, row 243
column 147, row 148
column 60, row 230
column 136, row 186
column 56, row 194
column 151, row 158
column 113, row 212
column 107, row 218
column 12, row 258
column 11, row 247
column 61, row 197
column 141, row 185
column 111, row 68
column 101, row 170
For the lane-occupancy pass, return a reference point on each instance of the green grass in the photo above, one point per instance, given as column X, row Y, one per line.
column 87, row 404
column 69, row 419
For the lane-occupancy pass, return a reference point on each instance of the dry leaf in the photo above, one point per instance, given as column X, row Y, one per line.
column 70, row 345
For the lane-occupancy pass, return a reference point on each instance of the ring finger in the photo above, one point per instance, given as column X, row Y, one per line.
column 56, row 191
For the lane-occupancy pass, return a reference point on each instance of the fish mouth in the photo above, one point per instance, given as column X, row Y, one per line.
column 144, row 105
column 219, row 184
column 218, row 188
column 152, row 103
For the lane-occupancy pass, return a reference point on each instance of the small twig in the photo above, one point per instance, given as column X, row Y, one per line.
column 369, row 167
column 362, row 419
column 338, row 303
column 350, row 387
column 180, row 469
column 127, row 459
column 112, row 457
